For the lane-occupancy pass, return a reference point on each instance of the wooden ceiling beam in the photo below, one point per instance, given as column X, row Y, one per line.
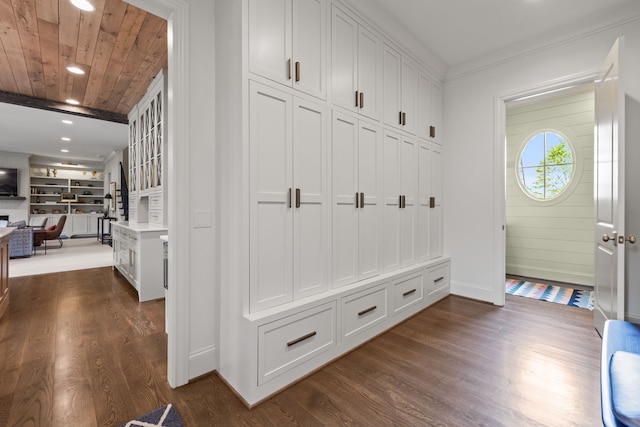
column 45, row 104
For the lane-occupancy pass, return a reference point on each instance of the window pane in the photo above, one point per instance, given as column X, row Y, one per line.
column 545, row 165
column 533, row 153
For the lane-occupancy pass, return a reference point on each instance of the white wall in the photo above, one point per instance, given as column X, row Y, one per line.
column 552, row 239
column 473, row 238
column 17, row 210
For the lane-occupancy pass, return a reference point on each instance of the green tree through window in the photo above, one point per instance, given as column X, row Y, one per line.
column 545, row 166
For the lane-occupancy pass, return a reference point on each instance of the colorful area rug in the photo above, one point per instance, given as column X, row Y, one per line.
column 557, row 294
column 167, row 416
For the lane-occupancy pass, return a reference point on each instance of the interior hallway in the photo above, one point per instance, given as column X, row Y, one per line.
column 78, row 349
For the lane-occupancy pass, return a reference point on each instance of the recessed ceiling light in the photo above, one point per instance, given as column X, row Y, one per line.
column 67, row 122
column 65, row 138
column 64, row 150
column 72, row 102
column 75, row 70
column 83, row 5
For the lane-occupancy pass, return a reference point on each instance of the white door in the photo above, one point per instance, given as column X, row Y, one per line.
column 270, row 45
column 310, row 47
column 368, row 73
column 408, row 189
column 271, row 184
column 345, row 188
column 609, row 189
column 424, row 194
column 391, row 89
column 309, row 195
column 391, row 203
column 344, row 48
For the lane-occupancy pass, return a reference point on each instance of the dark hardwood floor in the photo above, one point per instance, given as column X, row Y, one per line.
column 77, row 349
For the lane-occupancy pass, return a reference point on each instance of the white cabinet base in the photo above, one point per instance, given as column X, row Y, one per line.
column 138, row 256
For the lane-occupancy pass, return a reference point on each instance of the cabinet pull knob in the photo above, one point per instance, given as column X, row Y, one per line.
column 289, row 197
column 404, row 119
column 357, row 98
column 404, row 201
column 297, row 197
column 289, row 69
column 432, row 131
column 365, row 311
column 439, row 279
column 400, row 118
column 357, row 201
column 361, row 200
column 361, row 99
column 406, row 294
column 432, row 202
column 400, row 201
column 302, row 338
column 297, row 71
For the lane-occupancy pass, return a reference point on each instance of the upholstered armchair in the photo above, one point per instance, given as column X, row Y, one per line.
column 21, row 242
column 51, row 233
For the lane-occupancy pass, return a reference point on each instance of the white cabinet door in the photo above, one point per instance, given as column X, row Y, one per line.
column 400, row 179
column 271, row 184
column 356, row 199
column 287, row 43
column 423, row 119
column 310, row 47
column 345, row 189
column 424, row 195
column 435, row 232
column 400, row 87
column 369, row 213
column 436, row 113
column 408, row 188
column 310, row 203
column 270, row 39
column 409, row 84
column 392, row 198
column 355, row 65
column 391, row 87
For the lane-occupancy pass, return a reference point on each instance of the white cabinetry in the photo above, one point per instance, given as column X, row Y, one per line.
column 137, row 254
column 289, row 229
column 147, row 158
column 357, row 200
column 400, row 82
column 356, row 70
column 429, row 117
column 287, row 43
column 400, row 182
column 324, row 240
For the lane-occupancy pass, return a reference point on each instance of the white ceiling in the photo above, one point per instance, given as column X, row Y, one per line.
column 456, row 31
column 35, row 131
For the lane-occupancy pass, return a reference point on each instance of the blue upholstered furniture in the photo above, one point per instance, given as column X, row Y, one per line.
column 21, row 243
column 620, row 374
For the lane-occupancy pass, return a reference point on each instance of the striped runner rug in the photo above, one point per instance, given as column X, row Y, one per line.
column 558, row 294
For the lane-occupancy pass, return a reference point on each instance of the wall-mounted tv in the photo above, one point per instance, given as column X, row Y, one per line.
column 8, row 182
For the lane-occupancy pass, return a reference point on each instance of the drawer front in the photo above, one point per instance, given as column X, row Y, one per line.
column 155, row 201
column 288, row 342
column 407, row 291
column 438, row 278
column 155, row 217
column 363, row 310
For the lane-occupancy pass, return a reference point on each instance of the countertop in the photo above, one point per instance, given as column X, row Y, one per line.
column 138, row 226
column 5, row 231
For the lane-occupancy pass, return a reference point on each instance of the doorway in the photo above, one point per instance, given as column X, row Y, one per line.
column 549, row 205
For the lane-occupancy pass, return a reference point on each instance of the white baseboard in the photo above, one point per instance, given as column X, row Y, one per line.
column 202, row 361
column 470, row 290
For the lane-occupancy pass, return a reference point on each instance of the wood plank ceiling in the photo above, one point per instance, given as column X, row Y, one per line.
column 121, row 49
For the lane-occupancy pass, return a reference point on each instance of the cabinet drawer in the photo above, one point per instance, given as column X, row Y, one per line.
column 155, row 217
column 407, row 291
column 363, row 310
column 288, row 342
column 438, row 278
column 155, row 201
